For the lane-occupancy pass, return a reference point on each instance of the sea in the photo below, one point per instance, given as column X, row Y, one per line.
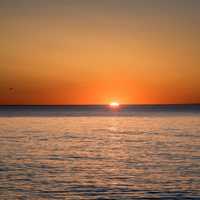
column 99, row 152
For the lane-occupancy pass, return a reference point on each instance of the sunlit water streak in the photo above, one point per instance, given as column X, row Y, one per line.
column 137, row 157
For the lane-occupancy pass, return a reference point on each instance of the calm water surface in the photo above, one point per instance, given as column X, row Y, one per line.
column 100, row 157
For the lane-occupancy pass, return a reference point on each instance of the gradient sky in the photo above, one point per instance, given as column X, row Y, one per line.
column 97, row 51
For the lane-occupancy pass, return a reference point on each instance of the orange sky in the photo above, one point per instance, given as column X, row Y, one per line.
column 94, row 52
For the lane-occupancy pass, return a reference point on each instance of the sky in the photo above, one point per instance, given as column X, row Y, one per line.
column 99, row 51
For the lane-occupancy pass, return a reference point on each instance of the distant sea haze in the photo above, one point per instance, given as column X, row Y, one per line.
column 98, row 110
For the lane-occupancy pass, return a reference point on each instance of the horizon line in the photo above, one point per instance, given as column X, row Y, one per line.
column 126, row 104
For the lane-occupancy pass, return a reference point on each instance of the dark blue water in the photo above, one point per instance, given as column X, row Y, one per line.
column 99, row 110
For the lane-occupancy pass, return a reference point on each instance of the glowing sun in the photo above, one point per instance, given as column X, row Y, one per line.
column 114, row 104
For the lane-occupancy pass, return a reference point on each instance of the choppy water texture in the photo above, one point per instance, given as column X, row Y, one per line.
column 99, row 157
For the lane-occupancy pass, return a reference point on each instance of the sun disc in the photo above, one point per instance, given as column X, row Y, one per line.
column 114, row 104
